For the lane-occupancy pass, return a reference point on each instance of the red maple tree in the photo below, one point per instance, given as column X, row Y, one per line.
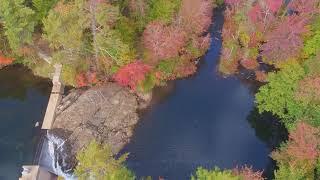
column 132, row 74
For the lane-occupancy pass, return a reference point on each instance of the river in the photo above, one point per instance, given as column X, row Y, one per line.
column 23, row 99
column 202, row 121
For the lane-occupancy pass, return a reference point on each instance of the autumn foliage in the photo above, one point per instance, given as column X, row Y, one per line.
column 233, row 2
column 196, row 15
column 302, row 148
column 171, row 48
column 86, row 79
column 304, row 7
column 263, row 16
column 249, row 63
column 303, row 143
column 261, row 76
column 285, row 41
column 309, row 89
column 4, row 61
column 132, row 74
column 247, row 173
column 275, row 30
column 163, row 41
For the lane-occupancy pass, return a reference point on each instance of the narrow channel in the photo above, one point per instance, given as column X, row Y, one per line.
column 202, row 121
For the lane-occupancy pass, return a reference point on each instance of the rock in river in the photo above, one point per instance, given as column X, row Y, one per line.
column 107, row 114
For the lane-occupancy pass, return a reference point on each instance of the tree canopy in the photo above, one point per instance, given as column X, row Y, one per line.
column 96, row 161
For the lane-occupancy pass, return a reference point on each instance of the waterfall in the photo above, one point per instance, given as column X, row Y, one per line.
column 53, row 157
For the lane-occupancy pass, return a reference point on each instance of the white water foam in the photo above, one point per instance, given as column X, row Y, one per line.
column 48, row 158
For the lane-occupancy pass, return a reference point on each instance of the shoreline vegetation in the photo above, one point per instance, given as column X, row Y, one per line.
column 278, row 41
column 141, row 44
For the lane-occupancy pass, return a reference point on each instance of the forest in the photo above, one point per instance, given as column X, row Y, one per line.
column 136, row 43
column 142, row 44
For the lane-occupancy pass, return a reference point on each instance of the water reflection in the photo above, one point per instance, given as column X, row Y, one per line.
column 23, row 99
column 270, row 130
column 16, row 81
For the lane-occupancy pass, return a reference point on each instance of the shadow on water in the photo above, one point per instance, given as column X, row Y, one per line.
column 23, row 99
column 269, row 130
column 199, row 121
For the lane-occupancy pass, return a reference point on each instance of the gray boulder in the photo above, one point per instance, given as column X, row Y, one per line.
column 107, row 114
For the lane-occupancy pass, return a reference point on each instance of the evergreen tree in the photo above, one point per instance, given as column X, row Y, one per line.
column 97, row 162
column 42, row 8
column 18, row 22
column 64, row 29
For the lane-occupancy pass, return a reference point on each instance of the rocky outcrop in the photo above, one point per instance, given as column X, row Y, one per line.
column 107, row 114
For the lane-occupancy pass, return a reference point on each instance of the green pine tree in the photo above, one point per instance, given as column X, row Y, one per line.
column 42, row 8
column 97, row 162
column 18, row 21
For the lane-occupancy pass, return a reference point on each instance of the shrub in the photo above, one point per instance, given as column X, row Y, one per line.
column 132, row 74
column 86, row 79
column 68, row 75
column 185, row 68
column 251, row 64
column 215, row 174
column 261, row 76
column 167, row 67
column 4, row 61
column 243, row 173
column 247, row 173
column 148, row 83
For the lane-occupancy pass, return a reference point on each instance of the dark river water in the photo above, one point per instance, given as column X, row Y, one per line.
column 203, row 120
column 23, row 99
